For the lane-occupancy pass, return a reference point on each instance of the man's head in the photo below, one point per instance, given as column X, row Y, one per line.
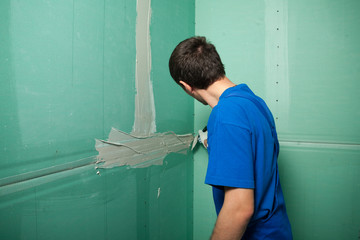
column 196, row 62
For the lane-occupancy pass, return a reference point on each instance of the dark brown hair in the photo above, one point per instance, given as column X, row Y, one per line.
column 196, row 62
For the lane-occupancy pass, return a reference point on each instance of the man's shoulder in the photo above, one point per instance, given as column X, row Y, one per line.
column 235, row 104
column 231, row 111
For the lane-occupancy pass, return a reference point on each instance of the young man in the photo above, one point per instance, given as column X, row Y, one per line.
column 242, row 145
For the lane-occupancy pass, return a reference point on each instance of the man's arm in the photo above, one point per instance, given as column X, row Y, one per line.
column 235, row 214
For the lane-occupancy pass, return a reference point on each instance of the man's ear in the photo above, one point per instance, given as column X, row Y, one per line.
column 186, row 86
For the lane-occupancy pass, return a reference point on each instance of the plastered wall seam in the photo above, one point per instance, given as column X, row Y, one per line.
column 119, row 145
column 103, row 67
column 126, row 149
column 144, row 123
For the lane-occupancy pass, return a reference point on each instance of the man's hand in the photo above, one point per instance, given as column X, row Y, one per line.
column 235, row 214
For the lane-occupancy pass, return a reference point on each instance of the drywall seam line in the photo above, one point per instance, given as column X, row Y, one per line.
column 144, row 123
column 349, row 146
column 39, row 180
column 72, row 44
column 47, row 171
column 276, row 59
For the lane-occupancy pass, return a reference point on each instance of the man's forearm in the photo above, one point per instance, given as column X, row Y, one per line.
column 235, row 214
column 230, row 225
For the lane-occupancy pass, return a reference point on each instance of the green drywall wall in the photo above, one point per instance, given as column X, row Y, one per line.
column 302, row 57
column 172, row 21
column 122, row 203
column 321, row 187
column 70, row 78
column 324, row 71
column 67, row 76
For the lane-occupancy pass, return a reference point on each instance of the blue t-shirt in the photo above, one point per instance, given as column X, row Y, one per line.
column 243, row 150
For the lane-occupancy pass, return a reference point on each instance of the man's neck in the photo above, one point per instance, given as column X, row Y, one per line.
column 212, row 94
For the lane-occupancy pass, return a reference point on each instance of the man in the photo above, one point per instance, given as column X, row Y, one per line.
column 242, row 145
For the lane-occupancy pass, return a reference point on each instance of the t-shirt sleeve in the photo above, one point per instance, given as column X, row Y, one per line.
column 230, row 157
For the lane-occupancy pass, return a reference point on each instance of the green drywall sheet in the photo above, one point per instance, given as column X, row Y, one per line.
column 172, row 22
column 321, row 190
column 67, row 76
column 317, row 99
column 303, row 58
column 122, row 203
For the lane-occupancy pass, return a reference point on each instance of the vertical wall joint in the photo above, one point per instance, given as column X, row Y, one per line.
column 276, row 58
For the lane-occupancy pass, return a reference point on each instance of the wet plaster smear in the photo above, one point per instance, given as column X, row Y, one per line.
column 143, row 147
column 144, row 123
column 125, row 149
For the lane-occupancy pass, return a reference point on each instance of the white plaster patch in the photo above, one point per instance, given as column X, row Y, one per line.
column 125, row 149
